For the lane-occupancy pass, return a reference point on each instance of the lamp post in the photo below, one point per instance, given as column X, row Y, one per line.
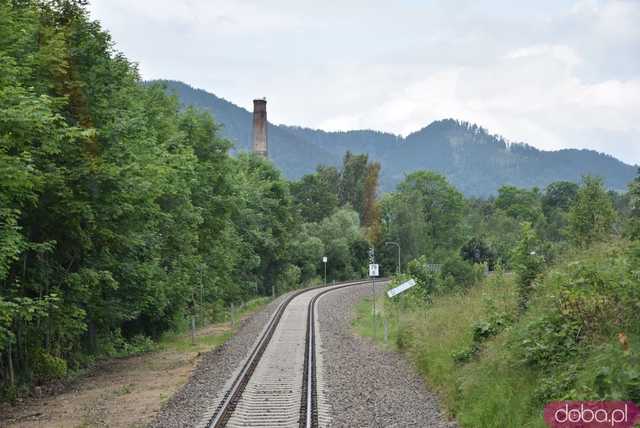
column 324, row 260
column 397, row 245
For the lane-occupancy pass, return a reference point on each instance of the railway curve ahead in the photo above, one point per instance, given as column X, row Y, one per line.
column 279, row 384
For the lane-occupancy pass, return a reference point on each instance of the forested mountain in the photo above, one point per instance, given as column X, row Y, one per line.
column 475, row 161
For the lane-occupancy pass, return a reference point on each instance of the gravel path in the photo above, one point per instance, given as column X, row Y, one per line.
column 187, row 406
column 369, row 387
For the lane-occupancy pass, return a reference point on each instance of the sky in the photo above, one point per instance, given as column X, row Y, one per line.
column 551, row 73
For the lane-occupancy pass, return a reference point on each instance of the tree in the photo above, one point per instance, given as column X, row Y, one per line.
column 476, row 250
column 352, row 181
column 315, row 197
column 528, row 262
column 371, row 210
column 591, row 216
column 556, row 201
column 558, row 195
column 427, row 215
column 634, row 194
column 520, row 204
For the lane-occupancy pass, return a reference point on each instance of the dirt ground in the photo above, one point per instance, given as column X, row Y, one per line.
column 124, row 392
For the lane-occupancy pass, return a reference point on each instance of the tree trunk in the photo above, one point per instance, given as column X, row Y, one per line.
column 12, row 377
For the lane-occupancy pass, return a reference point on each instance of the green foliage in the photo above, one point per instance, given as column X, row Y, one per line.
column 457, row 272
column 548, row 341
column 592, row 214
column 557, row 199
column 499, row 314
column 528, row 262
column 315, row 196
column 634, row 215
column 343, row 243
column 558, row 195
column 613, row 373
column 352, row 181
column 520, row 204
column 121, row 213
column 425, row 216
column 476, row 250
column 288, row 279
column 47, row 367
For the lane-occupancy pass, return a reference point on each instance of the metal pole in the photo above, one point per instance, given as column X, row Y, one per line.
column 193, row 329
column 201, row 297
column 373, row 289
column 325, row 273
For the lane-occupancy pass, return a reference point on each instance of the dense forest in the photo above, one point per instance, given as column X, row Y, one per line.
column 467, row 155
column 121, row 213
column 124, row 213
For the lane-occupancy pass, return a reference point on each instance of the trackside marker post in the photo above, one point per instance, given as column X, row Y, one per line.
column 373, row 272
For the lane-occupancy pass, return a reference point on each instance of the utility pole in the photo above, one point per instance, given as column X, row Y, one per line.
column 397, row 245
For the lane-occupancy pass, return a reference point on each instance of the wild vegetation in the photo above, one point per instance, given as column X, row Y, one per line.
column 122, row 213
column 556, row 318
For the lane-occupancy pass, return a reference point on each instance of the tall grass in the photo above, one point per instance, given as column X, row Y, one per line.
column 498, row 386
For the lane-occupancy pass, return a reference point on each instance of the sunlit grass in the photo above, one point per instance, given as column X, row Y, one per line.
column 486, row 392
column 211, row 336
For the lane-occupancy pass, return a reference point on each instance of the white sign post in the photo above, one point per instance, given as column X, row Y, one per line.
column 373, row 270
column 400, row 288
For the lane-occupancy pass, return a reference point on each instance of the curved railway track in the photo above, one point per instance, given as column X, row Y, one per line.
column 277, row 383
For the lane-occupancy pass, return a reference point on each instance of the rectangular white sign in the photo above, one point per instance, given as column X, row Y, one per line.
column 400, row 288
column 373, row 269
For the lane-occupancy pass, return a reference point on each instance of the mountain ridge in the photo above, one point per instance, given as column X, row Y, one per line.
column 472, row 158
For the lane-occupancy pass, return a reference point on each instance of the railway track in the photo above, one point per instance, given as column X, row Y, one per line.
column 279, row 383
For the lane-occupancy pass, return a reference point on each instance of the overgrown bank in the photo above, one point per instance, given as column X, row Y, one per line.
column 495, row 366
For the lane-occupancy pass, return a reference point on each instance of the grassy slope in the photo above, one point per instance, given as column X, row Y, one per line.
column 495, row 389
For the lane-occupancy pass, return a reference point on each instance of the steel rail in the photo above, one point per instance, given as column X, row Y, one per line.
column 232, row 396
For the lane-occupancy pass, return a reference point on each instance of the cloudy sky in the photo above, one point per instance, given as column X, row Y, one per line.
column 551, row 73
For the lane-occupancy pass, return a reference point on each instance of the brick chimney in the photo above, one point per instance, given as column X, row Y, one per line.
column 260, row 127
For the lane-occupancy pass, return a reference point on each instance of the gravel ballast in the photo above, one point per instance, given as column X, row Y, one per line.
column 365, row 385
column 187, row 406
column 368, row 386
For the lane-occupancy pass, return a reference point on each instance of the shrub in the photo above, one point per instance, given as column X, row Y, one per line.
column 47, row 367
column 458, row 272
column 547, row 341
column 476, row 250
column 288, row 279
column 528, row 262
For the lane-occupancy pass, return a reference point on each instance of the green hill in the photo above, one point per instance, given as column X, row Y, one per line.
column 472, row 159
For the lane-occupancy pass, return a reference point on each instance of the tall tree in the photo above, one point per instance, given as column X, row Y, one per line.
column 371, row 210
column 352, row 181
column 315, row 196
column 427, row 214
column 634, row 194
column 592, row 214
column 520, row 204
